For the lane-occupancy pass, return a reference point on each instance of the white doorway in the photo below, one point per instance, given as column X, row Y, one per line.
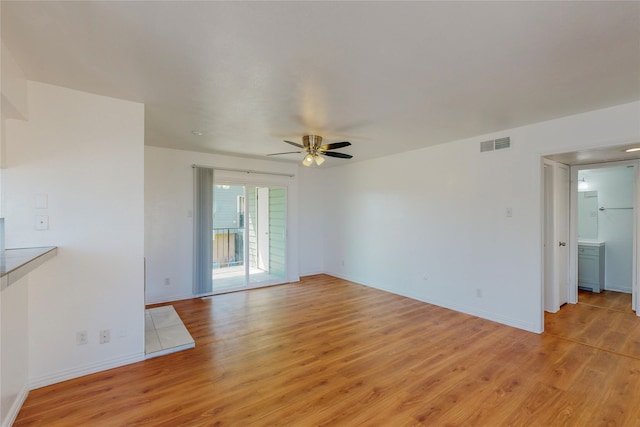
column 560, row 225
column 605, row 218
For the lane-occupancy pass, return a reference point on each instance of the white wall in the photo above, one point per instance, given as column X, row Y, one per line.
column 615, row 187
column 13, row 103
column 431, row 224
column 313, row 211
column 85, row 152
column 14, row 376
column 169, row 225
column 587, row 215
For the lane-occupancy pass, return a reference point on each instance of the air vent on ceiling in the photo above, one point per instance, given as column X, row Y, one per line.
column 495, row 144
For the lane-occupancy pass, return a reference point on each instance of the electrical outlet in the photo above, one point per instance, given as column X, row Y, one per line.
column 82, row 337
column 105, row 336
column 42, row 222
column 479, row 293
column 167, row 281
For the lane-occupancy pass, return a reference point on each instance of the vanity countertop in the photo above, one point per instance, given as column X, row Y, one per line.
column 16, row 263
column 590, row 243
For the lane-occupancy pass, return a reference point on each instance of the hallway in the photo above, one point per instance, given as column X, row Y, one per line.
column 604, row 321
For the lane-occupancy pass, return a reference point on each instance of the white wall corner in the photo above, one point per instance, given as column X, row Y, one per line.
column 67, row 150
column 11, row 415
column 80, row 371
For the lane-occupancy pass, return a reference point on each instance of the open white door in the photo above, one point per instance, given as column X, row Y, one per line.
column 550, row 303
column 562, row 190
column 556, row 235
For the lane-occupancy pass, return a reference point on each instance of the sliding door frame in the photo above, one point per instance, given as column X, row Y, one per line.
column 231, row 178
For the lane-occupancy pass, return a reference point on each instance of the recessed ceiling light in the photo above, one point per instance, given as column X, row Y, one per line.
column 631, row 150
column 197, row 132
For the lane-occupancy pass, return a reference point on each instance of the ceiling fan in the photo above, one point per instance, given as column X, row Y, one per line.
column 312, row 144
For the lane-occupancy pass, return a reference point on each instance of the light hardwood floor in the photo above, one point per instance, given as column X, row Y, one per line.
column 619, row 301
column 327, row 352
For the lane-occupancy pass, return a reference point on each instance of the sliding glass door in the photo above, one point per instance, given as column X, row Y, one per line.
column 267, row 234
column 228, row 267
column 249, row 236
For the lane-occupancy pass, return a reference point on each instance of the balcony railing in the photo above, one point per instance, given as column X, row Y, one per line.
column 228, row 247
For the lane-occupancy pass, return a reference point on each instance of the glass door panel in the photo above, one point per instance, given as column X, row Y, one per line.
column 249, row 236
column 267, row 233
column 228, row 267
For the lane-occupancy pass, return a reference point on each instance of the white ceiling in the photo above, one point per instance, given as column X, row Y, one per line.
column 388, row 76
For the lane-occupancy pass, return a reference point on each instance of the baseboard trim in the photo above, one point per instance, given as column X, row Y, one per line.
column 12, row 414
column 455, row 307
column 312, row 273
column 81, row 371
column 161, row 300
column 616, row 289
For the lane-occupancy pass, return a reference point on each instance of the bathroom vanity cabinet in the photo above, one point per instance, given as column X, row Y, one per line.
column 591, row 266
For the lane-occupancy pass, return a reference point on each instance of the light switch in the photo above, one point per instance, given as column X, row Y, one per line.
column 41, row 201
column 42, row 222
column 508, row 212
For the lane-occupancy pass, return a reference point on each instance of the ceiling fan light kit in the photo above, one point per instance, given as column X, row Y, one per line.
column 308, row 160
column 312, row 146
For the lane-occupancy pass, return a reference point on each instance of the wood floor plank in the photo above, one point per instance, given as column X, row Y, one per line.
column 326, row 351
column 531, row 410
column 597, row 324
column 619, row 301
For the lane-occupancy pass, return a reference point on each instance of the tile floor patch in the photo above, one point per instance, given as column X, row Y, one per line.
column 164, row 332
column 151, row 342
column 163, row 318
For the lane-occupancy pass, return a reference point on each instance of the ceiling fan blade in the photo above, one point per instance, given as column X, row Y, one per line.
column 335, row 145
column 286, row 152
column 339, row 155
column 294, row 143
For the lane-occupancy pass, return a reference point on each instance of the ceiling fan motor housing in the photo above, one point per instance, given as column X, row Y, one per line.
column 315, row 151
column 312, row 141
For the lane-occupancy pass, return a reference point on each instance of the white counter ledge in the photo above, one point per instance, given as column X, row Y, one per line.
column 16, row 263
column 590, row 243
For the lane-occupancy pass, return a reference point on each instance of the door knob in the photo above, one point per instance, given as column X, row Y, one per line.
column 562, row 243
